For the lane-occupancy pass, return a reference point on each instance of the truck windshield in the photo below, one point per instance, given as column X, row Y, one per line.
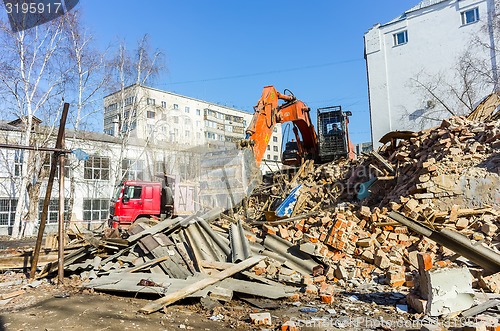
column 118, row 191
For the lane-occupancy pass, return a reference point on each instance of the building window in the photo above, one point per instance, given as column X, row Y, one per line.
column 129, row 101
column 275, row 148
column 150, row 101
column 400, row 38
column 164, row 104
column 275, row 129
column 275, row 158
column 53, row 211
column 187, row 121
column 187, row 134
column 96, row 167
column 176, row 106
column 269, row 156
column 132, row 169
column 176, row 119
column 198, row 112
column 18, row 162
column 95, row 209
column 7, row 211
column 198, row 135
column 111, row 107
column 275, row 139
column 268, row 147
column 47, row 163
column 186, row 109
column 151, row 114
column 470, row 16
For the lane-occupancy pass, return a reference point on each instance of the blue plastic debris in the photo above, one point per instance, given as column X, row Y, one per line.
column 285, row 209
column 364, row 189
column 308, row 310
column 80, row 154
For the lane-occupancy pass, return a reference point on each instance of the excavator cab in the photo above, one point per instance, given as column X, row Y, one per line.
column 333, row 133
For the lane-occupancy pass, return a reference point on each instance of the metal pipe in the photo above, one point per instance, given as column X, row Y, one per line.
column 34, row 148
column 480, row 255
column 293, row 254
column 61, row 218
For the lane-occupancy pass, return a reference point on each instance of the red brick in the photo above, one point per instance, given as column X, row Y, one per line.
column 311, row 289
column 424, row 261
column 326, row 298
column 319, row 279
column 289, row 326
column 268, row 229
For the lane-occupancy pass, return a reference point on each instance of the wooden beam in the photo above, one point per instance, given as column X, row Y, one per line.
column 383, row 161
column 178, row 295
column 48, row 190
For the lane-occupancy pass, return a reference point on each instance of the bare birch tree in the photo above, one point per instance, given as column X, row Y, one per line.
column 130, row 73
column 32, row 83
column 86, row 81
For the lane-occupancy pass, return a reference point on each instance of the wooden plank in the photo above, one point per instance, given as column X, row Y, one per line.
column 480, row 308
column 173, row 297
column 224, row 265
column 147, row 264
column 383, row 161
column 6, row 296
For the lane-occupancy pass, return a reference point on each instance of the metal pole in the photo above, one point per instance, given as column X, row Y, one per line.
column 61, row 218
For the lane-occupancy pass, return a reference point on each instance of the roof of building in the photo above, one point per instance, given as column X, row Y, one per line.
column 424, row 4
column 421, row 5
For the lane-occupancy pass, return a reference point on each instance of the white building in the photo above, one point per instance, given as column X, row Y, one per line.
column 161, row 116
column 417, row 55
column 170, row 134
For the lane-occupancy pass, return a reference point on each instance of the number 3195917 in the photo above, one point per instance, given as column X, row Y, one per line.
column 33, row 8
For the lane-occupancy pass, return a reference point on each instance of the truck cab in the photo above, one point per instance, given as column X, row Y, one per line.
column 135, row 199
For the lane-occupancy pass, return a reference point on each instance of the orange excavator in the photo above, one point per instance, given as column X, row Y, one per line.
column 332, row 142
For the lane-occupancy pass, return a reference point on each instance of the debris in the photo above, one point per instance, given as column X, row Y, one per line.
column 170, row 298
column 449, row 290
column 261, row 319
column 11, row 294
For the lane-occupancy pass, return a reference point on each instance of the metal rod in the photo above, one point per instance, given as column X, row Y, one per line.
column 34, row 148
column 60, row 272
column 48, row 192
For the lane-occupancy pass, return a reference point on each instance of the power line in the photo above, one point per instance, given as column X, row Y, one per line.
column 263, row 73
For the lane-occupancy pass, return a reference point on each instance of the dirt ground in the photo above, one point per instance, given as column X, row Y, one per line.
column 48, row 307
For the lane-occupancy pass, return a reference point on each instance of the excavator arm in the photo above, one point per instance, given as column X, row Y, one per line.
column 268, row 113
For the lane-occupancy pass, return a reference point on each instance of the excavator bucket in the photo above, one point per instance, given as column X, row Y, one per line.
column 227, row 177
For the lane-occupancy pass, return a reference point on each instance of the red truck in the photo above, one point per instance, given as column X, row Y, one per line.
column 142, row 200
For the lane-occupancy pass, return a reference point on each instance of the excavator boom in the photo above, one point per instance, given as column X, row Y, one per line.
column 268, row 113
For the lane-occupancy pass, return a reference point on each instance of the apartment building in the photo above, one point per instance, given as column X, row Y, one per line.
column 184, row 122
column 414, row 61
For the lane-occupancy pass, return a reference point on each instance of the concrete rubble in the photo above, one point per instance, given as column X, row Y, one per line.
column 337, row 247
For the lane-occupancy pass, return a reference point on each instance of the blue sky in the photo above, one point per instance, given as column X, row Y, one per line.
column 226, row 51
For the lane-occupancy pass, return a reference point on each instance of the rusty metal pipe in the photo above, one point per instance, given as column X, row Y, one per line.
column 480, row 255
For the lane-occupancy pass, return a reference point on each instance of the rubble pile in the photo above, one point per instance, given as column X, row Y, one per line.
column 322, row 230
column 455, row 163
